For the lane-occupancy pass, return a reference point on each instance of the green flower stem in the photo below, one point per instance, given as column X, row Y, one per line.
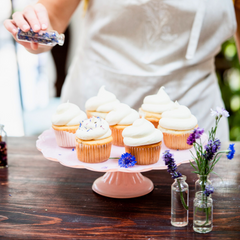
column 114, row 158
column 203, row 188
column 181, row 196
column 204, row 198
column 207, row 213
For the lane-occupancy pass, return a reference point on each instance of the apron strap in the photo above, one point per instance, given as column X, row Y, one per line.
column 85, row 7
column 196, row 29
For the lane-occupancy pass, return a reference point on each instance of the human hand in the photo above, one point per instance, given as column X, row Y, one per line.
column 35, row 17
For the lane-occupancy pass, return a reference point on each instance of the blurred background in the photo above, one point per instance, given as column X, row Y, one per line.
column 31, row 84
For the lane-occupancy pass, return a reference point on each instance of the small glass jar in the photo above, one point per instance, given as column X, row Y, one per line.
column 3, row 147
column 50, row 38
column 179, row 192
column 202, row 182
column 202, row 213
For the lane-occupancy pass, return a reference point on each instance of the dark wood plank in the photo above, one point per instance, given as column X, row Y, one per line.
column 40, row 199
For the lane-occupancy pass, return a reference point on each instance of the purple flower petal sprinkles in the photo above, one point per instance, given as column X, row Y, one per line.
column 50, row 38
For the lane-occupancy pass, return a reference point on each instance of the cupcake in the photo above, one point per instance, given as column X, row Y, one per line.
column 119, row 118
column 143, row 141
column 93, row 140
column 176, row 126
column 65, row 123
column 154, row 105
column 102, row 104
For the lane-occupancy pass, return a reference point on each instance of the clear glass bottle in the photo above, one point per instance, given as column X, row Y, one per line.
column 201, row 183
column 202, row 213
column 50, row 38
column 179, row 191
column 3, row 147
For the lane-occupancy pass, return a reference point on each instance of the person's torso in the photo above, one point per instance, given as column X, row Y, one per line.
column 150, row 37
column 134, row 47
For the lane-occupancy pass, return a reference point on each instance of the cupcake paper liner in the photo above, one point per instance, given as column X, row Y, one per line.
column 176, row 141
column 147, row 154
column 117, row 136
column 94, row 153
column 154, row 122
column 89, row 115
column 65, row 139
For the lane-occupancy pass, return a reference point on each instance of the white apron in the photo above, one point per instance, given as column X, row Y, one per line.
column 134, row 47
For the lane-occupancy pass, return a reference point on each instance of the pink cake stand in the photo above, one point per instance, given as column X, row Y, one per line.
column 117, row 182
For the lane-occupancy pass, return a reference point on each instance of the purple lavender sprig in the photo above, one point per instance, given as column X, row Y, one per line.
column 208, row 190
column 172, row 169
column 195, row 135
column 207, row 157
column 211, row 149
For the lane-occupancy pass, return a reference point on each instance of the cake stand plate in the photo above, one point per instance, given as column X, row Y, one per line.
column 117, row 182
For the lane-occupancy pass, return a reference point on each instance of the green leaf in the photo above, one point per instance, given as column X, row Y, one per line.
column 193, row 165
column 196, row 161
column 214, row 163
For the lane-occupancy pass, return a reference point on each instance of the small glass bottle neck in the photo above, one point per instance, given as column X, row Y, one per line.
column 181, row 179
column 61, row 39
column 203, row 177
column 200, row 195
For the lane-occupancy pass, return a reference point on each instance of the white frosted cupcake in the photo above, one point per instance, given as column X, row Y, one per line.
column 154, row 105
column 102, row 104
column 119, row 118
column 93, row 140
column 65, row 123
column 177, row 125
column 143, row 141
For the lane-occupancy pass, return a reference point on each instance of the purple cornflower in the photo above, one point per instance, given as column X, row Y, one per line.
column 211, row 148
column 220, row 112
column 127, row 160
column 172, row 167
column 195, row 135
column 208, row 190
column 231, row 152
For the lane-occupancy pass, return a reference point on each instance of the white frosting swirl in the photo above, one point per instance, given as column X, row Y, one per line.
column 68, row 114
column 179, row 118
column 157, row 103
column 93, row 128
column 122, row 114
column 104, row 101
column 142, row 132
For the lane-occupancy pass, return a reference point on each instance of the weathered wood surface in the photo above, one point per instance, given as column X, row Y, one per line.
column 40, row 199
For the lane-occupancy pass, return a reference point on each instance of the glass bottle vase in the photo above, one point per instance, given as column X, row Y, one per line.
column 201, row 183
column 3, row 147
column 202, row 213
column 179, row 192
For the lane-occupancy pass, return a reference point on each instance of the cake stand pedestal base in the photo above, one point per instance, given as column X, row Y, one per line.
column 122, row 185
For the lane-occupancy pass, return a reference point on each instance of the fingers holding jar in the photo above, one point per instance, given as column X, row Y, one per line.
column 32, row 17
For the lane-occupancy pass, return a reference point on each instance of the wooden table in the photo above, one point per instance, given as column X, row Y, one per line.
column 40, row 199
